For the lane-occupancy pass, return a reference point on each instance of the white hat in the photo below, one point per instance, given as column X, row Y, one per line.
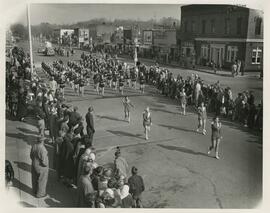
column 92, row 156
column 124, row 192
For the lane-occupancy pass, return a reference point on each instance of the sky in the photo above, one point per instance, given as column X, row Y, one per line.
column 72, row 13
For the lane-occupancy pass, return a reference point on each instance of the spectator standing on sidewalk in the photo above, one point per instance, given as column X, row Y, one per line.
column 85, row 189
column 90, row 128
column 40, row 115
column 136, row 187
column 40, row 168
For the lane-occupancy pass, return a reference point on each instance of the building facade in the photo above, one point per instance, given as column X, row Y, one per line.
column 81, row 36
column 221, row 34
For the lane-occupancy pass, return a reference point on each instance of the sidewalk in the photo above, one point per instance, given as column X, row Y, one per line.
column 19, row 138
column 203, row 69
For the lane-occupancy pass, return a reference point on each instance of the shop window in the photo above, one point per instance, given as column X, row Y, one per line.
column 258, row 26
column 232, row 53
column 256, row 56
column 204, row 51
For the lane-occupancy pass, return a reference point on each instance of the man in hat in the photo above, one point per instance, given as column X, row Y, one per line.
column 40, row 168
column 121, row 164
column 89, row 118
column 136, row 185
column 74, row 117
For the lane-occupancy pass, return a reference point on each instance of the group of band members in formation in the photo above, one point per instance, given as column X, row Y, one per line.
column 106, row 71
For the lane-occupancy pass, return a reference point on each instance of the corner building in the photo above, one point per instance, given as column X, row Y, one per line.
column 222, row 34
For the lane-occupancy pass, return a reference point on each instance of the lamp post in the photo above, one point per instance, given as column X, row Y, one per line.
column 135, row 51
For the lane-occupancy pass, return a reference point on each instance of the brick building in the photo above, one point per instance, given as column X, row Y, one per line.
column 221, row 34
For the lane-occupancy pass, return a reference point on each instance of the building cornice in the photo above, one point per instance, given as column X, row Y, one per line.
column 230, row 39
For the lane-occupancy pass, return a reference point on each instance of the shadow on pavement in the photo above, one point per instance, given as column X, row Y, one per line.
column 25, row 204
column 23, row 166
column 182, row 149
column 29, row 139
column 59, row 195
column 121, row 133
column 162, row 110
column 27, row 131
column 177, row 128
column 21, row 186
column 109, row 118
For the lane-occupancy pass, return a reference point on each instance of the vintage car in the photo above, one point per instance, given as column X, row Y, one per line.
column 41, row 49
column 49, row 51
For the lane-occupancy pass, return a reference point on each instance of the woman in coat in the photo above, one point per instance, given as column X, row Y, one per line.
column 67, row 160
column 147, row 122
column 40, row 168
column 216, row 136
column 85, row 189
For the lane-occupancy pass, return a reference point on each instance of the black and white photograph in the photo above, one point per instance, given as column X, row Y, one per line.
column 134, row 105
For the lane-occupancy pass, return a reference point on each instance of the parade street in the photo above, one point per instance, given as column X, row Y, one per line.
column 174, row 163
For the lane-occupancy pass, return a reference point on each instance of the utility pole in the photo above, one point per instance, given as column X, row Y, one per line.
column 30, row 37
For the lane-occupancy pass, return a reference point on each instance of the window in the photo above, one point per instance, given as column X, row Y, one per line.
column 239, row 25
column 256, row 56
column 213, row 28
column 258, row 26
column 203, row 26
column 232, row 53
column 193, row 27
column 186, row 26
column 227, row 26
column 204, row 51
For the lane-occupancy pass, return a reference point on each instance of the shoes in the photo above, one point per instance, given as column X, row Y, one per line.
column 197, row 130
column 204, row 132
column 41, row 196
column 217, row 157
column 209, row 151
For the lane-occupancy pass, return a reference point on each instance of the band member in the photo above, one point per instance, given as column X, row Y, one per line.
column 121, row 84
column 202, row 116
column 142, row 82
column 114, row 80
column 76, row 84
column 183, row 101
column 102, row 84
column 82, row 83
column 127, row 103
column 109, row 79
column 96, row 79
column 62, row 85
column 133, row 78
column 147, row 122
column 216, row 136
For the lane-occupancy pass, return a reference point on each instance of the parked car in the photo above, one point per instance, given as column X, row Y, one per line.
column 41, row 49
column 49, row 51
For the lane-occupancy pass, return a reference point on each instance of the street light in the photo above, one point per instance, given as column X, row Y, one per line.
column 135, row 52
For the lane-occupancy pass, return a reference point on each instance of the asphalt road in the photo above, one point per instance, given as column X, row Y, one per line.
column 176, row 170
